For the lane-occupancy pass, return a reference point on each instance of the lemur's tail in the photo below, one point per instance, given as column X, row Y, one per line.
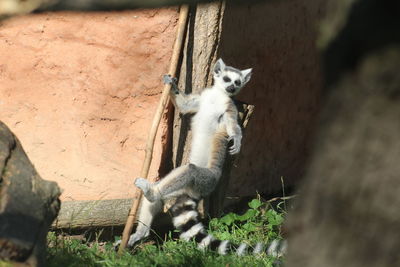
column 186, row 220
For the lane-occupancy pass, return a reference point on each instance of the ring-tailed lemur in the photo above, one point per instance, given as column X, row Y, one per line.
column 185, row 217
column 214, row 124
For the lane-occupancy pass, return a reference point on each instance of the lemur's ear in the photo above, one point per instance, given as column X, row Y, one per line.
column 247, row 75
column 219, row 66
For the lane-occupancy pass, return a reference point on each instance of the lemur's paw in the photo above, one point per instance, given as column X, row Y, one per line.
column 172, row 81
column 235, row 148
column 142, row 184
column 133, row 239
column 167, row 79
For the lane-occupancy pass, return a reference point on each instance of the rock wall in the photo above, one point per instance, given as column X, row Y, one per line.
column 80, row 89
column 278, row 40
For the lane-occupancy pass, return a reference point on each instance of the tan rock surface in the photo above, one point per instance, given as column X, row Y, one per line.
column 80, row 90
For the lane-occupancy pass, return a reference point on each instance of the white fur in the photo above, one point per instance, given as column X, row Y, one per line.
column 205, row 123
column 184, row 218
column 206, row 241
column 191, row 203
column 191, row 232
column 272, row 249
column 222, row 247
column 212, row 105
column 241, row 249
column 146, row 211
column 258, row 249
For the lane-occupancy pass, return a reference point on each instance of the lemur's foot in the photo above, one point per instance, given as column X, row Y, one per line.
column 133, row 239
column 143, row 184
column 136, row 237
column 146, row 187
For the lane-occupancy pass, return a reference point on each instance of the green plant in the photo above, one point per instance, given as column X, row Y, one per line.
column 259, row 223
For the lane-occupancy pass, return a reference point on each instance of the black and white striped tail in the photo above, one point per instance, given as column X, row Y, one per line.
column 186, row 220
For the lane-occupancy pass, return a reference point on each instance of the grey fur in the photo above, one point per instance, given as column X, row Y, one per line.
column 196, row 181
column 229, row 68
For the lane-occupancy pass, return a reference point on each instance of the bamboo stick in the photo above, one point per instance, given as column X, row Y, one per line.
column 183, row 15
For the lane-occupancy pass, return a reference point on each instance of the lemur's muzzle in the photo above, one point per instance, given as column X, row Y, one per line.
column 230, row 89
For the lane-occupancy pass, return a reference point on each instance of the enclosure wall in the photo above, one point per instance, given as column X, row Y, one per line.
column 80, row 90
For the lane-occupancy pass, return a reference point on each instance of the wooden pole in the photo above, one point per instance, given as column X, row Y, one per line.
column 183, row 15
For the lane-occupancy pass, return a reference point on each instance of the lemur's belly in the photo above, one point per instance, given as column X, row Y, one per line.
column 204, row 127
column 201, row 149
column 205, row 124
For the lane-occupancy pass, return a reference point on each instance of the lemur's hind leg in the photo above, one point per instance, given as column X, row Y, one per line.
column 201, row 180
column 176, row 180
column 146, row 215
column 147, row 189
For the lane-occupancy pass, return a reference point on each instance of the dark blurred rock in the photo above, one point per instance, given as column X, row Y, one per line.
column 28, row 204
column 348, row 212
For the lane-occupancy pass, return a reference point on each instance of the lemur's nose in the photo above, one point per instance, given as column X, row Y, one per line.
column 230, row 89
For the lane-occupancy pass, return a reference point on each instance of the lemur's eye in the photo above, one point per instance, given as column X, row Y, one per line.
column 237, row 82
column 227, row 79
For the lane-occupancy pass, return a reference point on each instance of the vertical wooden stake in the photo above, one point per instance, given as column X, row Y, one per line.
column 183, row 15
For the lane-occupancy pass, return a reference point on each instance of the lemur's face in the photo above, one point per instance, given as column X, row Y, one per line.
column 230, row 79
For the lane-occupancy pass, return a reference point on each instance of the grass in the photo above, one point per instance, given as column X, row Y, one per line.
column 260, row 223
